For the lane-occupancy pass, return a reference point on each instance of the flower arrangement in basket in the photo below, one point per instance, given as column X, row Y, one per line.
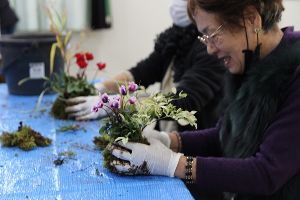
column 128, row 115
column 65, row 84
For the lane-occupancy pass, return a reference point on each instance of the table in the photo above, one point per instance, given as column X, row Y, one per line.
column 33, row 175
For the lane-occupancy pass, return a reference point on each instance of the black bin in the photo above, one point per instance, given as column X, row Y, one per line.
column 28, row 55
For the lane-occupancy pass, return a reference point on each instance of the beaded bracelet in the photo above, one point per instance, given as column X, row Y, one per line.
column 189, row 170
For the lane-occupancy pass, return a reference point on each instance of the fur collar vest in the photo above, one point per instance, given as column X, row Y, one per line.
column 254, row 99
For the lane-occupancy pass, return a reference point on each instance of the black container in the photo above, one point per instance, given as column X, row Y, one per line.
column 28, row 55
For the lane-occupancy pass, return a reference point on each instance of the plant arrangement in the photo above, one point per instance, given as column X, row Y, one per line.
column 65, row 84
column 25, row 138
column 68, row 86
column 128, row 115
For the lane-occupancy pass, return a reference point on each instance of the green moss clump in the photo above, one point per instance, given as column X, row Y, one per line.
column 58, row 109
column 66, row 87
column 102, row 141
column 25, row 138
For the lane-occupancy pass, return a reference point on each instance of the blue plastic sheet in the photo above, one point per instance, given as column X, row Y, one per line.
column 33, row 175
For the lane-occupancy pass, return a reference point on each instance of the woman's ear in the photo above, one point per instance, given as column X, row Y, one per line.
column 253, row 17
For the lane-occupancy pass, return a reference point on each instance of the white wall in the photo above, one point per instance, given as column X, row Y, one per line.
column 291, row 14
column 131, row 38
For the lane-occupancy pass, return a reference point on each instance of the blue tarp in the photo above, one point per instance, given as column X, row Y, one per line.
column 33, row 175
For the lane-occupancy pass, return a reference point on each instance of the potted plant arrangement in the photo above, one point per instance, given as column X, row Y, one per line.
column 68, row 86
column 64, row 84
column 128, row 115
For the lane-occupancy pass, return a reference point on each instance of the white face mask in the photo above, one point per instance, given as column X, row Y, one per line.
column 178, row 11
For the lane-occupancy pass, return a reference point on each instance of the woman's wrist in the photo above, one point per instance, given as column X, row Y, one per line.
column 175, row 141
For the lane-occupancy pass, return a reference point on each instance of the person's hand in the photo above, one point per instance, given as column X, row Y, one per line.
column 162, row 136
column 154, row 159
column 81, row 108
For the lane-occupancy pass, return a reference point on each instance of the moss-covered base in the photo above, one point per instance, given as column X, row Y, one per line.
column 104, row 143
column 58, row 109
column 25, row 138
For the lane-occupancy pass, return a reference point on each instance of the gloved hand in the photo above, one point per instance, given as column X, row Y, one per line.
column 81, row 108
column 162, row 136
column 154, row 159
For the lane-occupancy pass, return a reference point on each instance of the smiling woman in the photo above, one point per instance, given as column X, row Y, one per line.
column 212, row 38
column 252, row 153
column 241, row 30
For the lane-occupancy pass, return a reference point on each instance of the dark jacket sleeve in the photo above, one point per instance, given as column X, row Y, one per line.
column 201, row 143
column 202, row 81
column 7, row 15
column 151, row 69
column 277, row 160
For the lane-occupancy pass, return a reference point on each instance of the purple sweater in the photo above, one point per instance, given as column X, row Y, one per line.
column 277, row 160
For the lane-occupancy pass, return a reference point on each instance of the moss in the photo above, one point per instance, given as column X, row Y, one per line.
column 24, row 138
column 67, row 87
column 102, row 141
column 58, row 109
column 68, row 154
column 72, row 127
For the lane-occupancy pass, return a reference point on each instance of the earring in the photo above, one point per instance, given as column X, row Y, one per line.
column 257, row 30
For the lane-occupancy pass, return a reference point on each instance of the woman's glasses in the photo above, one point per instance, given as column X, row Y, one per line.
column 212, row 39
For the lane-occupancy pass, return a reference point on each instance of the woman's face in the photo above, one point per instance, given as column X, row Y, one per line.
column 226, row 44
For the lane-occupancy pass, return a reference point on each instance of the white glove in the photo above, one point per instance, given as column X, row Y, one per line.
column 81, row 108
column 154, row 159
column 162, row 136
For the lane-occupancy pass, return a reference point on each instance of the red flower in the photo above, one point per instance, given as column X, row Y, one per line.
column 79, row 56
column 89, row 56
column 101, row 65
column 81, row 63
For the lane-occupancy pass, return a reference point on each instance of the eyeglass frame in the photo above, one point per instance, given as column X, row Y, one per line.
column 205, row 39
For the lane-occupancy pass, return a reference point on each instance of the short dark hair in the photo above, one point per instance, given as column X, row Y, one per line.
column 231, row 11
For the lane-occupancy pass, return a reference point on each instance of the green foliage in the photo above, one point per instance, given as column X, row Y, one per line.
column 25, row 138
column 64, row 84
column 67, row 87
column 73, row 127
column 127, row 122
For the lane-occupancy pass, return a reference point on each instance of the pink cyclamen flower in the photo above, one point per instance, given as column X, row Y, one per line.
column 104, row 98
column 132, row 86
column 100, row 104
column 132, row 100
column 115, row 104
column 123, row 90
column 97, row 107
